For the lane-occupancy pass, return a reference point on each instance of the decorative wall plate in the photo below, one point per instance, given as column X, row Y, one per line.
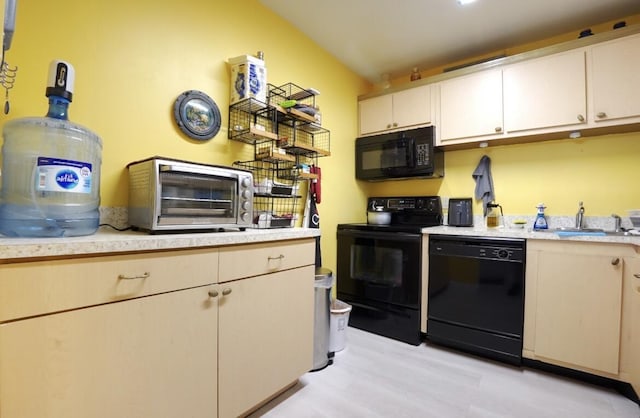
column 197, row 115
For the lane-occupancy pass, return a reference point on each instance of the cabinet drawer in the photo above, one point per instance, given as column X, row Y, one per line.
column 36, row 288
column 256, row 259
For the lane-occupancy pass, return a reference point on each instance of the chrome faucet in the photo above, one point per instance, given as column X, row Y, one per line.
column 580, row 216
column 618, row 222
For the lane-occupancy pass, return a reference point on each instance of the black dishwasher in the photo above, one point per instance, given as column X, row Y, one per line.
column 476, row 295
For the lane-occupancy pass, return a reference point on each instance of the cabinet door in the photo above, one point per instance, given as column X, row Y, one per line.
column 630, row 338
column 412, row 107
column 471, row 106
column 546, row 92
column 616, row 79
column 376, row 114
column 153, row 356
column 265, row 337
column 403, row 109
column 578, row 309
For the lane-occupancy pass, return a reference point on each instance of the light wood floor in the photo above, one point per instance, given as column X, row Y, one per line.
column 379, row 377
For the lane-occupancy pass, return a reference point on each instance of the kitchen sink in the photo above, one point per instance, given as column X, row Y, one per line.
column 587, row 231
column 618, row 233
column 568, row 229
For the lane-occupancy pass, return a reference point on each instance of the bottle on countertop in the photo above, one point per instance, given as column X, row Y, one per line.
column 494, row 217
column 51, row 169
column 541, row 221
column 415, row 74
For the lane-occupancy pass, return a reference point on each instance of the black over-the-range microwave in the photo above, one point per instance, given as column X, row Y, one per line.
column 397, row 155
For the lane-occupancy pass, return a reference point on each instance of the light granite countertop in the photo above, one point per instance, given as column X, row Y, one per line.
column 527, row 233
column 109, row 241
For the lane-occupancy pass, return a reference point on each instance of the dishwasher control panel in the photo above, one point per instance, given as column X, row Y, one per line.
column 512, row 250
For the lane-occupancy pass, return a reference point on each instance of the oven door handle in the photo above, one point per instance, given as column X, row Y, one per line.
column 388, row 236
column 389, row 309
column 208, row 171
column 363, row 306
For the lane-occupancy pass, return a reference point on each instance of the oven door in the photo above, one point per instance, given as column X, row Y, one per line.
column 380, row 266
column 187, row 198
column 379, row 274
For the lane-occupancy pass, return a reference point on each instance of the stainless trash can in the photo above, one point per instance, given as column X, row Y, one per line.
column 322, row 293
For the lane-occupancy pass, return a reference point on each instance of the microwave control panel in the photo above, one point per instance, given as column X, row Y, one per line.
column 422, row 154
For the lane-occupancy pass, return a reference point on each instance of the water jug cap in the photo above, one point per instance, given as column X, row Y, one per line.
column 61, row 79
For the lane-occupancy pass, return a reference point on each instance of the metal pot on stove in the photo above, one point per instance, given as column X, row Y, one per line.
column 376, row 215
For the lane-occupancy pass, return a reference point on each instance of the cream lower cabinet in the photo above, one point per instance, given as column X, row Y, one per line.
column 630, row 332
column 265, row 337
column 265, row 322
column 573, row 305
column 155, row 334
column 72, row 351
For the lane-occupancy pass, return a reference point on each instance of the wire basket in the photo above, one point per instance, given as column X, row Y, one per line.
column 275, row 199
column 252, row 122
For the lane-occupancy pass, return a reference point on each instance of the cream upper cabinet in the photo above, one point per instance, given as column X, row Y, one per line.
column 153, row 356
column 548, row 92
column 403, row 109
column 471, row 107
column 576, row 305
column 615, row 80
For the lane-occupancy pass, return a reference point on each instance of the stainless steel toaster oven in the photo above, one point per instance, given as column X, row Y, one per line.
column 168, row 195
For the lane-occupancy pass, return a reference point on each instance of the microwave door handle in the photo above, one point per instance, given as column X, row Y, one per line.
column 411, row 153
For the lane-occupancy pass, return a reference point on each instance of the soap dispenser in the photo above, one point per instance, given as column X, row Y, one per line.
column 541, row 221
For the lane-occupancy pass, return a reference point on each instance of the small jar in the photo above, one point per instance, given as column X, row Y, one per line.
column 415, row 74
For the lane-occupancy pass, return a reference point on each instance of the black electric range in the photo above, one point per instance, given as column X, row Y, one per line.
column 379, row 267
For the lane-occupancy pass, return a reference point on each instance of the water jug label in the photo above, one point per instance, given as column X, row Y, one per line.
column 59, row 175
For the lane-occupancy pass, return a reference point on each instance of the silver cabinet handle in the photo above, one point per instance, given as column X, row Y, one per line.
column 388, row 126
column 637, row 275
column 395, row 125
column 615, row 261
column 143, row 276
column 280, row 257
column 580, row 118
column 498, row 128
column 226, row 292
column 213, row 293
column 601, row 115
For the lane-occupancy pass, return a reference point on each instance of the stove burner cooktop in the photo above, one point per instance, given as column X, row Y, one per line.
column 408, row 214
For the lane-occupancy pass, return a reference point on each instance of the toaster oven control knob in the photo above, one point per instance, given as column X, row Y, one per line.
column 244, row 216
column 246, row 194
column 245, row 205
column 245, row 182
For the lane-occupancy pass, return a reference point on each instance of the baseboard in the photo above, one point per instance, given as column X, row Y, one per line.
column 624, row 388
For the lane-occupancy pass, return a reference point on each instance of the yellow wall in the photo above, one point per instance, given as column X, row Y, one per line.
column 133, row 59
column 601, row 171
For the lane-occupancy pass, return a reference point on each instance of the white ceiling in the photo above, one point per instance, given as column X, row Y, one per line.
column 374, row 37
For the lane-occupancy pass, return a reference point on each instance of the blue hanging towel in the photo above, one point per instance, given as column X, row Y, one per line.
column 484, row 183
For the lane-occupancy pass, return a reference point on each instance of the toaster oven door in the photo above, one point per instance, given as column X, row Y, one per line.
column 196, row 199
